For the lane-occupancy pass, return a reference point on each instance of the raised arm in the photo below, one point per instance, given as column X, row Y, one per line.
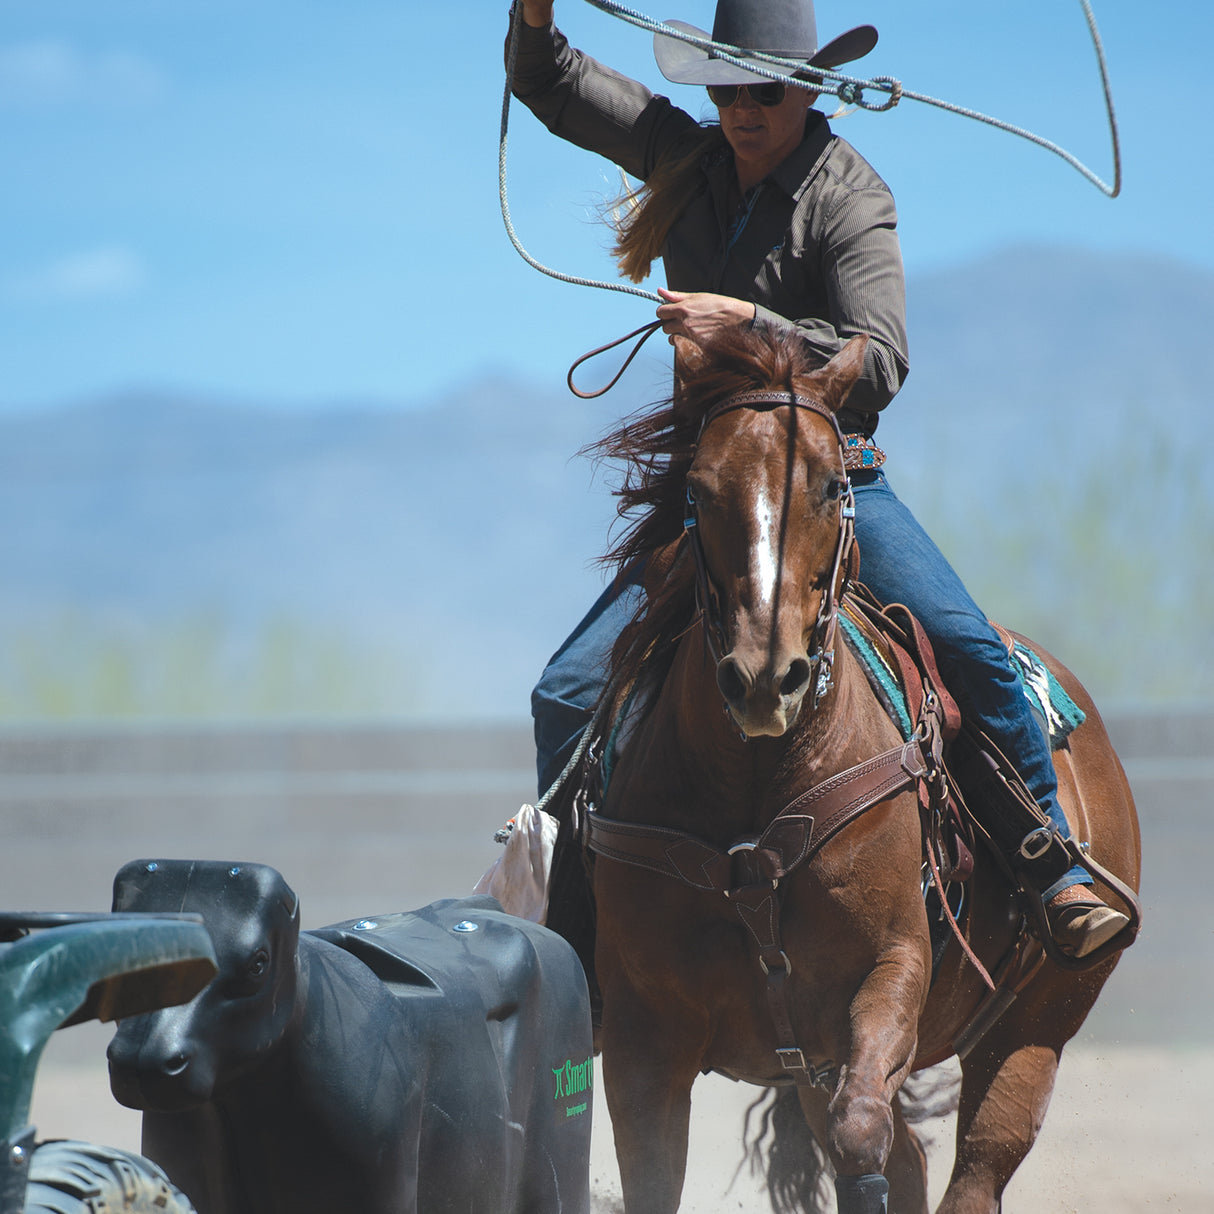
column 589, row 104
column 537, row 13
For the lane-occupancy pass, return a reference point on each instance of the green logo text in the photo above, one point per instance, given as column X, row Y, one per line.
column 573, row 1078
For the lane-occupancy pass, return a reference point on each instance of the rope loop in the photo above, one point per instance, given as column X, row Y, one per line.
column 645, row 332
column 503, row 199
column 850, row 90
column 892, row 86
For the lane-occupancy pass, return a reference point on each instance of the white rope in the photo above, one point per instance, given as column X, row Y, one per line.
column 849, row 89
column 574, row 279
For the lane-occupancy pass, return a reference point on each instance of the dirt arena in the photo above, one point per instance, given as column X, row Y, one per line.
column 1128, row 1131
column 367, row 821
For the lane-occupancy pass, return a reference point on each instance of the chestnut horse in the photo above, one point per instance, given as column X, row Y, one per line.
column 813, row 976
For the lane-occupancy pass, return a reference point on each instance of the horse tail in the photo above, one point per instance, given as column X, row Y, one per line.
column 797, row 1170
column 931, row 1094
column 783, row 1149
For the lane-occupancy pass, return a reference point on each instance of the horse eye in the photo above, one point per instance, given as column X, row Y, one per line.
column 836, row 488
column 259, row 962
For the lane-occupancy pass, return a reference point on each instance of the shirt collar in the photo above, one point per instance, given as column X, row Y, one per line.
column 793, row 174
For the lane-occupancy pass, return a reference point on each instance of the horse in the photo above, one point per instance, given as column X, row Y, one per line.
column 735, row 937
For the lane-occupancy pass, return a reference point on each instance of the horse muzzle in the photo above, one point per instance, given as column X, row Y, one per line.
column 764, row 702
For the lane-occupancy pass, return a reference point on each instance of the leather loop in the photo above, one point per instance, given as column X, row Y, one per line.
column 646, row 332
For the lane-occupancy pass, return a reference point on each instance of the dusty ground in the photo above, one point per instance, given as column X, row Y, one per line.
column 366, row 821
column 1129, row 1131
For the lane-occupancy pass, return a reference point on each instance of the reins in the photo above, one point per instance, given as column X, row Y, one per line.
column 645, row 332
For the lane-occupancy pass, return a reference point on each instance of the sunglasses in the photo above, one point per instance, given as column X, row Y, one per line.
column 769, row 93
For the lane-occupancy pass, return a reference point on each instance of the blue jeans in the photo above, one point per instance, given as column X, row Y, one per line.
column 565, row 697
column 899, row 563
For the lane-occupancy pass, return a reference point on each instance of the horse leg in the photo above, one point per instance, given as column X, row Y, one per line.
column 1004, row 1096
column 860, row 1119
column 906, row 1166
column 648, row 1092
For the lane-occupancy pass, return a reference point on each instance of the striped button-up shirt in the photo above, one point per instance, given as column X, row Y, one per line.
column 818, row 253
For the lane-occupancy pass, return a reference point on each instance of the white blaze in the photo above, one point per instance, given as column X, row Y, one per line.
column 765, row 552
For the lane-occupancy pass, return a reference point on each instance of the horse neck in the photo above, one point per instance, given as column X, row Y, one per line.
column 740, row 784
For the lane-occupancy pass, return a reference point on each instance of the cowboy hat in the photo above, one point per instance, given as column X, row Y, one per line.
column 785, row 28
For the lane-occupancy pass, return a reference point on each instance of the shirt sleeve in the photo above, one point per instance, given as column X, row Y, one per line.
column 592, row 106
column 860, row 263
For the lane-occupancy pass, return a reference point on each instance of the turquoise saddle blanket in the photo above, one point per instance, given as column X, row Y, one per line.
column 1056, row 712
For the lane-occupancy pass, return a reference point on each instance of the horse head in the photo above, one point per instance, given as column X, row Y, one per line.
column 181, row 1057
column 768, row 497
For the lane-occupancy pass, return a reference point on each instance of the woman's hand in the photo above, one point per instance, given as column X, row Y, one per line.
column 537, row 13
column 700, row 316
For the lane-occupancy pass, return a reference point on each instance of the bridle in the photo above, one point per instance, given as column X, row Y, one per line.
column 708, row 600
column 751, row 871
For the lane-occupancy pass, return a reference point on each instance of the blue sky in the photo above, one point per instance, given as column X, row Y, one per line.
column 297, row 202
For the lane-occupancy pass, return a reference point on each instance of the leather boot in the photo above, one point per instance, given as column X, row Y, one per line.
column 1080, row 921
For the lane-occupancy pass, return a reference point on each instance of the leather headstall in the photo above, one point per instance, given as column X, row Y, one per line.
column 708, row 600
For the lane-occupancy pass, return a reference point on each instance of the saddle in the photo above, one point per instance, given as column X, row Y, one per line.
column 1015, row 832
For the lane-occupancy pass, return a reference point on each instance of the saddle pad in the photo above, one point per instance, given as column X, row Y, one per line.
column 1046, row 696
column 881, row 675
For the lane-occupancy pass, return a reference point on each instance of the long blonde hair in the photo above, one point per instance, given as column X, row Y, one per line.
column 643, row 217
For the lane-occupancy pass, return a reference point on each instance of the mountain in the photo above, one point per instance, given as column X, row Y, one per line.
column 445, row 547
column 464, row 526
column 1055, row 351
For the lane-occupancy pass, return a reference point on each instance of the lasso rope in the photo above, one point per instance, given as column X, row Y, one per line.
column 849, row 89
column 511, row 58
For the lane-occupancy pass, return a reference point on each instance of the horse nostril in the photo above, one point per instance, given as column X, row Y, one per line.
column 796, row 679
column 729, row 680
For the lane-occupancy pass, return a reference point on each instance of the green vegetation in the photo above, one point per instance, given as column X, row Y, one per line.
column 75, row 666
column 1106, row 566
column 1103, row 563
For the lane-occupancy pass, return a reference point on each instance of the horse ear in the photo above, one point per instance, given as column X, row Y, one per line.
column 688, row 359
column 835, row 381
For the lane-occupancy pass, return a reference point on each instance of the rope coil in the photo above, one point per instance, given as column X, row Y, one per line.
column 849, row 89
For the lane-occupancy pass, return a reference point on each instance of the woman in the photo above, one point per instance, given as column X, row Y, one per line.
column 770, row 217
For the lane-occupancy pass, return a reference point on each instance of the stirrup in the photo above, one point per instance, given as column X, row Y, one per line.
column 1082, row 925
column 1115, row 932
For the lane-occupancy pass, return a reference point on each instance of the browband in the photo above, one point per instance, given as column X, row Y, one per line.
column 774, row 398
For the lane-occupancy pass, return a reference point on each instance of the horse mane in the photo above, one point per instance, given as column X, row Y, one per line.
column 656, row 448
